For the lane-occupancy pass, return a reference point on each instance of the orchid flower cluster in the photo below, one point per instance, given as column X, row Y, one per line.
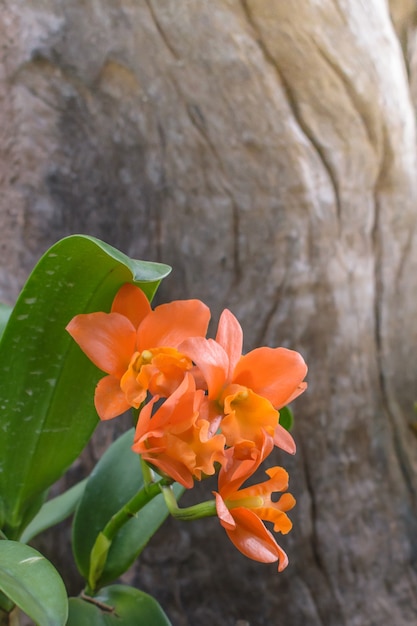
column 203, row 408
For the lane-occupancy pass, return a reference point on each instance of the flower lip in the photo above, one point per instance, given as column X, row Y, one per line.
column 242, row 511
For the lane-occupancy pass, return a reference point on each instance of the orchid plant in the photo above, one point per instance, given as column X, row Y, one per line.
column 83, row 343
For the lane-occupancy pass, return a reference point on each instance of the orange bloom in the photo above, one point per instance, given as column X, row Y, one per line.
column 241, row 511
column 137, row 347
column 244, row 392
column 176, row 438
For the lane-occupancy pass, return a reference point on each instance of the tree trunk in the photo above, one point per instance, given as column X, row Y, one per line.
column 266, row 149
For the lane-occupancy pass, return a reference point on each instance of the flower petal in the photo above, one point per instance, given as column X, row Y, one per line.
column 275, row 373
column 211, row 360
column 297, row 392
column 169, row 324
column 254, row 540
column 131, row 302
column 171, row 467
column 284, row 440
column 176, row 440
column 224, row 515
column 230, row 337
column 109, row 399
column 236, row 471
column 108, row 339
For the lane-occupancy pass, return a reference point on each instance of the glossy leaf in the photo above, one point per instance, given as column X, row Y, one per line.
column 117, row 605
column 115, row 479
column 54, row 511
column 46, row 382
column 33, row 584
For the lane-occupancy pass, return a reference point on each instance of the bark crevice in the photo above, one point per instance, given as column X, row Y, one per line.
column 161, row 31
column 291, row 100
column 319, row 562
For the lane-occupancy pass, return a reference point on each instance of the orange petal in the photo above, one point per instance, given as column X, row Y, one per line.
column 208, row 449
column 109, row 399
column 236, row 471
column 284, row 440
column 169, row 324
column 176, row 440
column 297, row 392
column 278, row 481
column 179, row 407
column 155, row 450
column 211, row 360
column 108, row 339
column 279, row 518
column 143, row 423
column 168, row 453
column 230, row 337
column 275, row 373
column 254, row 540
column 278, row 478
column 225, row 517
column 131, row 302
column 172, row 468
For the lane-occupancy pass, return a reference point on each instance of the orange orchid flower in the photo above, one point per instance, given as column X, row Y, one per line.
column 176, row 438
column 246, row 391
column 137, row 347
column 241, row 511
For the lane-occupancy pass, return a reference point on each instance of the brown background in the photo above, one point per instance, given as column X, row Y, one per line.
column 266, row 149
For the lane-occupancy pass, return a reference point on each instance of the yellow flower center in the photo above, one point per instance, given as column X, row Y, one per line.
column 251, row 502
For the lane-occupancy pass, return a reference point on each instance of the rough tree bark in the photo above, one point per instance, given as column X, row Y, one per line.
column 267, row 150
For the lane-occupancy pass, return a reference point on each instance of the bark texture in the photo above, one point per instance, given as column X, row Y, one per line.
column 266, row 149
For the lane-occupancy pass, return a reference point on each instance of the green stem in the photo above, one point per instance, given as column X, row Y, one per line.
column 147, row 473
column 101, row 547
column 130, row 509
column 197, row 511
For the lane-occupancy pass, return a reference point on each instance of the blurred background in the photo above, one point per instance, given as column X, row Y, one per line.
column 266, row 149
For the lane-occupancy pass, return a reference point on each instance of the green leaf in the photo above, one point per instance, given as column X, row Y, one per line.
column 115, row 479
column 54, row 511
column 286, row 418
column 47, row 384
column 31, row 582
column 117, row 605
column 5, row 312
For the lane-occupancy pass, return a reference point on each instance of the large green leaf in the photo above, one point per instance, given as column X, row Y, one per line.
column 54, row 511
column 31, row 582
column 46, row 383
column 117, row 605
column 115, row 479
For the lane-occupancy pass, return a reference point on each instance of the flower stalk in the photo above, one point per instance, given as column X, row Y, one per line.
column 101, row 547
column 197, row 511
